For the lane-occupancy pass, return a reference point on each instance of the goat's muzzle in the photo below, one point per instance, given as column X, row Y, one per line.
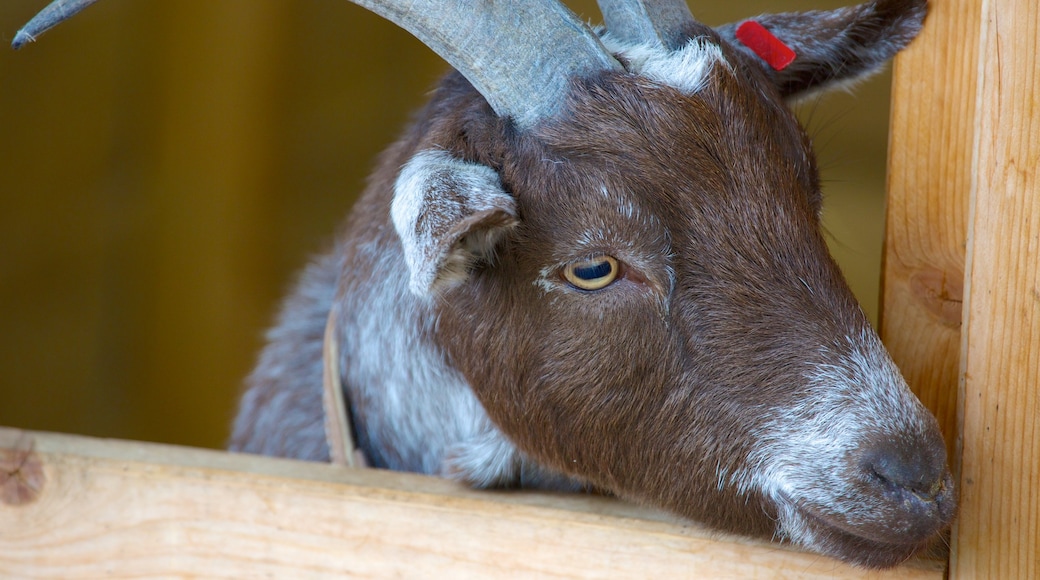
column 905, row 499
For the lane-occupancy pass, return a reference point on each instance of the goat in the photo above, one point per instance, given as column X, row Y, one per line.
column 595, row 261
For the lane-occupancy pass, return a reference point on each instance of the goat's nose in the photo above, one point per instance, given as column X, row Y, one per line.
column 915, row 466
column 920, row 478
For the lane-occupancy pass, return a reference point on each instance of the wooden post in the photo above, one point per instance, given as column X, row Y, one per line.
column 929, row 179
column 964, row 198
column 998, row 535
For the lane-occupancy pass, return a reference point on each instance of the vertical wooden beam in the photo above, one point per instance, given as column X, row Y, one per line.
column 998, row 533
column 929, row 179
column 966, row 140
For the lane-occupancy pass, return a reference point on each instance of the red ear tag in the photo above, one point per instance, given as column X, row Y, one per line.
column 768, row 47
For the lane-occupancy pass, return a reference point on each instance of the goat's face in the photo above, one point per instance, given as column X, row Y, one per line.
column 662, row 319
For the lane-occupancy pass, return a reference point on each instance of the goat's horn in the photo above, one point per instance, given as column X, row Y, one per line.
column 521, row 56
column 641, row 21
column 48, row 18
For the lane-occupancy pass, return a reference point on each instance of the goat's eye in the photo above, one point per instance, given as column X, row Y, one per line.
column 592, row 274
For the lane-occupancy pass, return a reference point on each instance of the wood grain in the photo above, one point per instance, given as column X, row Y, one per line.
column 998, row 534
column 929, row 180
column 119, row 509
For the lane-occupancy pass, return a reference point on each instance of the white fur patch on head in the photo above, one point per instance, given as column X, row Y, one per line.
column 686, row 69
column 448, row 214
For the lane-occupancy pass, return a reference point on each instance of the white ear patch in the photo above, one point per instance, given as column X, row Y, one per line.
column 449, row 214
column 686, row 69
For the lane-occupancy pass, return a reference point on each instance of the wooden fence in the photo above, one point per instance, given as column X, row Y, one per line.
column 961, row 306
column 94, row 508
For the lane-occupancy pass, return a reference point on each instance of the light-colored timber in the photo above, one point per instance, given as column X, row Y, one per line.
column 929, row 179
column 998, row 534
column 119, row 509
column 961, row 310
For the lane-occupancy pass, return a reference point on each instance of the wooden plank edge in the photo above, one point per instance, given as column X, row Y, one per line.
column 131, row 509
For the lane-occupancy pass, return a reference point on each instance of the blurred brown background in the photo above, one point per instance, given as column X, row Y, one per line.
column 166, row 167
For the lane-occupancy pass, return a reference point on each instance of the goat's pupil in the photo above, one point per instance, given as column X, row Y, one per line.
column 593, row 271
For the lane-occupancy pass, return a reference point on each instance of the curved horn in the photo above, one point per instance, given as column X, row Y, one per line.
column 640, row 21
column 48, row 18
column 521, row 56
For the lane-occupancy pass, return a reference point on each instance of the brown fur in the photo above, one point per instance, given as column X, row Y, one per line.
column 666, row 386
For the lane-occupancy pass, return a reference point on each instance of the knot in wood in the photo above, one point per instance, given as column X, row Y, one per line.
column 21, row 473
column 941, row 294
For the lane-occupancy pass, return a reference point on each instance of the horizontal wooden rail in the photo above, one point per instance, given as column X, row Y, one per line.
column 78, row 507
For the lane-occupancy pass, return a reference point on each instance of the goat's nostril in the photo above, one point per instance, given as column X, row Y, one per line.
column 917, row 473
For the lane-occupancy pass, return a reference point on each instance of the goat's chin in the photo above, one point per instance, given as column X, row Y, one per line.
column 820, row 534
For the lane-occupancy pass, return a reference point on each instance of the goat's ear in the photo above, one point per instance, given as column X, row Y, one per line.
column 450, row 215
column 829, row 47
